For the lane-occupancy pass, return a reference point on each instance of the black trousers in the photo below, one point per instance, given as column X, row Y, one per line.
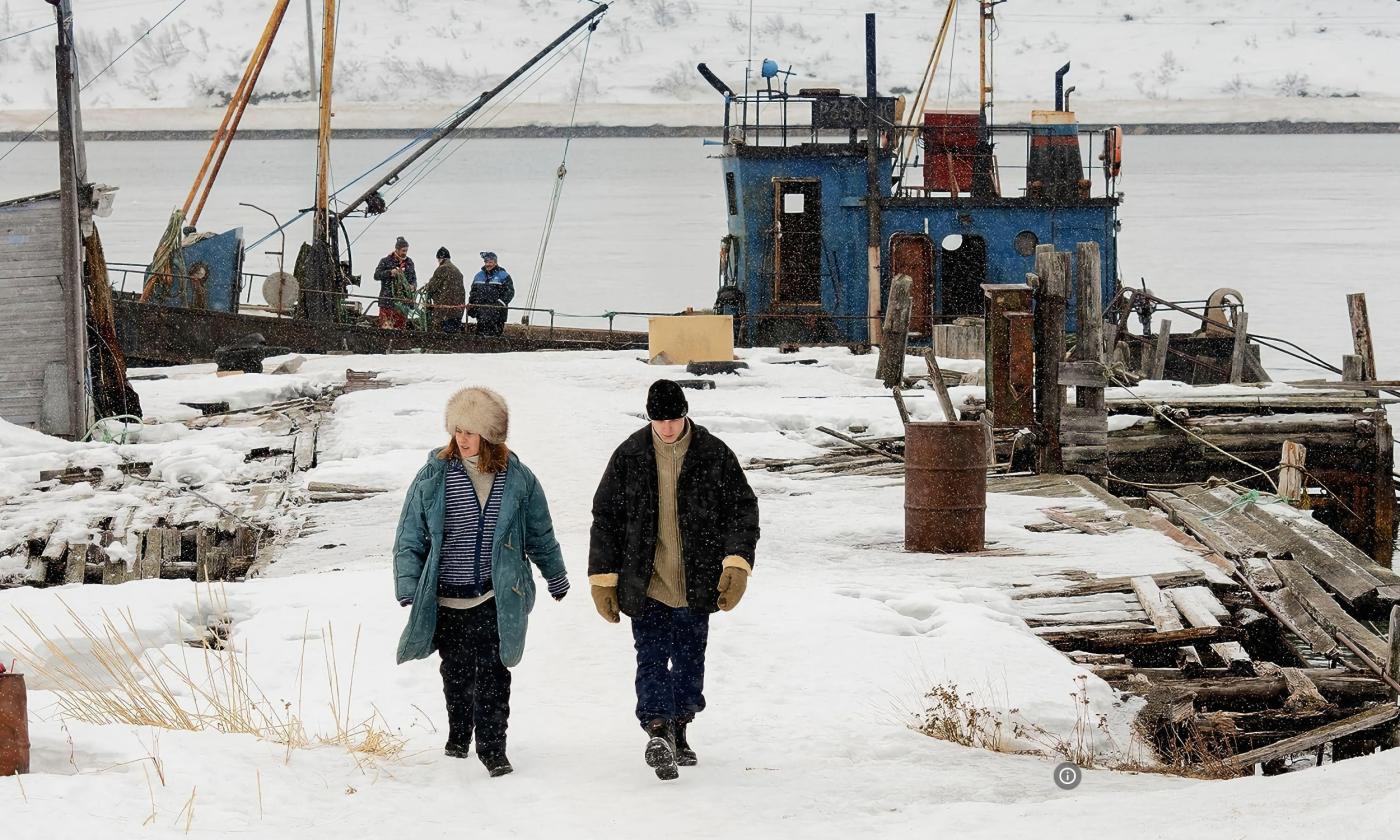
column 475, row 683
column 670, row 644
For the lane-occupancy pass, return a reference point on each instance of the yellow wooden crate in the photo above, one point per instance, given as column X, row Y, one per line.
column 682, row 339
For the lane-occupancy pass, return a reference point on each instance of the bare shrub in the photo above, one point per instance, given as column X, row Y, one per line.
column 956, row 716
column 680, row 82
column 1293, row 84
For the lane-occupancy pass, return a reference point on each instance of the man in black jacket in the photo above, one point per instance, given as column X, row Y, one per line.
column 674, row 529
column 397, row 283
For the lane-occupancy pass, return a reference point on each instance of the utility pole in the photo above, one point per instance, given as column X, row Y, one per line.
column 311, row 52
column 72, row 174
column 319, row 300
column 872, row 186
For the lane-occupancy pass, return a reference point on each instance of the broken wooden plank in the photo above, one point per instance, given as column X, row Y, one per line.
column 1050, row 632
column 1342, row 574
column 1326, row 611
column 1163, row 614
column 1348, row 726
column 1201, row 609
column 1133, row 639
column 1216, row 686
column 1188, row 661
column 1116, row 584
column 1318, row 640
column 1063, row 517
column 75, row 567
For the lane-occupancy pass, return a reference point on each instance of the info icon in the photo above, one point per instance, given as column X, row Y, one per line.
column 1068, row 776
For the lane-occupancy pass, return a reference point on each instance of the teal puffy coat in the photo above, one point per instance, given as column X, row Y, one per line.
column 523, row 530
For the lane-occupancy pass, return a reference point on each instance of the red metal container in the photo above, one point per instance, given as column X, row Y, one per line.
column 14, row 726
column 950, row 141
column 945, row 486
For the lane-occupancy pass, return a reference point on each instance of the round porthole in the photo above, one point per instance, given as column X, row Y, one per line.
column 951, row 242
column 1025, row 243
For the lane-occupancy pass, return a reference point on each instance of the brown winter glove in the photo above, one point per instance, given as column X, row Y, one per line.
column 605, row 599
column 732, row 583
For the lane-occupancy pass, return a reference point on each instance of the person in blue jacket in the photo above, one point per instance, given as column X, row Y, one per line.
column 474, row 515
column 492, row 291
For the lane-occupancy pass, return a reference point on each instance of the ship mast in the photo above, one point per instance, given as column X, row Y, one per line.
column 318, row 297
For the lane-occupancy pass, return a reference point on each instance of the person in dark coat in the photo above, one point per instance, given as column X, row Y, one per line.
column 675, row 526
column 446, row 294
column 397, row 283
column 473, row 521
column 492, row 290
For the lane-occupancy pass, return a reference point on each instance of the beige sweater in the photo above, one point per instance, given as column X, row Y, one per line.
column 668, row 577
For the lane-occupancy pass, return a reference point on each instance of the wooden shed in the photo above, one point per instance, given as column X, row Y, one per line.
column 40, row 344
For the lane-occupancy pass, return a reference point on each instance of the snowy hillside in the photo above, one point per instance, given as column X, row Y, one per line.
column 1190, row 60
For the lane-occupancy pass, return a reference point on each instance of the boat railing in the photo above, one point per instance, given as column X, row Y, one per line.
column 127, row 271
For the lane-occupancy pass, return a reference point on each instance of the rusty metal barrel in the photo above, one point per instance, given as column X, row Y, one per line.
column 945, row 486
column 14, row 725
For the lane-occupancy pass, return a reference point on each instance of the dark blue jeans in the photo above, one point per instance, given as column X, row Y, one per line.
column 452, row 324
column 670, row 646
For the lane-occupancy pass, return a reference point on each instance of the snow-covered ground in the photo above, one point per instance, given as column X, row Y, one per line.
column 1134, row 60
column 813, row 679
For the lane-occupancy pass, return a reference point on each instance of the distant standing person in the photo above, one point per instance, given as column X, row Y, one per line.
column 492, row 290
column 446, row 293
column 397, row 283
column 472, row 518
column 675, row 525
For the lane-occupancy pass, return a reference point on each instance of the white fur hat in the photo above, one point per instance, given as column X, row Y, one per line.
column 479, row 410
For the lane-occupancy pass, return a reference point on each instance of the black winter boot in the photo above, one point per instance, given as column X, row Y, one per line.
column 685, row 756
column 495, row 762
column 661, row 749
column 456, row 750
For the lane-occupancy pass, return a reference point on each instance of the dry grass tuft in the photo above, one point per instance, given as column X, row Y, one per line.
column 119, row 679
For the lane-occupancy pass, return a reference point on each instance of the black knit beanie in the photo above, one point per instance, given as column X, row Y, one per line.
column 666, row 401
column 444, row 254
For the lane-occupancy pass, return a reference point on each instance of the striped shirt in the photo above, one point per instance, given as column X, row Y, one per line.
column 469, row 534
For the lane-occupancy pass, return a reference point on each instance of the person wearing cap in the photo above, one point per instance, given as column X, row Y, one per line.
column 446, row 294
column 397, row 282
column 473, row 521
column 675, row 526
column 492, row 290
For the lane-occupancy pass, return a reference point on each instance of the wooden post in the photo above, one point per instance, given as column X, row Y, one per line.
column 1361, row 334
column 1159, row 356
column 891, row 365
column 1241, row 347
column 72, row 173
column 1125, row 302
column 936, row 375
column 1089, row 310
column 1353, row 368
column 872, row 186
column 899, row 404
column 1290, row 475
column 1383, row 493
column 1051, row 296
column 1393, row 667
column 1010, row 360
column 1085, row 449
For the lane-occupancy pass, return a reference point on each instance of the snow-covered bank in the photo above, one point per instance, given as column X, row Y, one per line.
column 1295, row 59
column 813, row 679
column 1265, row 115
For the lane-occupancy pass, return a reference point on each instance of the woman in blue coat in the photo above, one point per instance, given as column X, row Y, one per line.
column 473, row 517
